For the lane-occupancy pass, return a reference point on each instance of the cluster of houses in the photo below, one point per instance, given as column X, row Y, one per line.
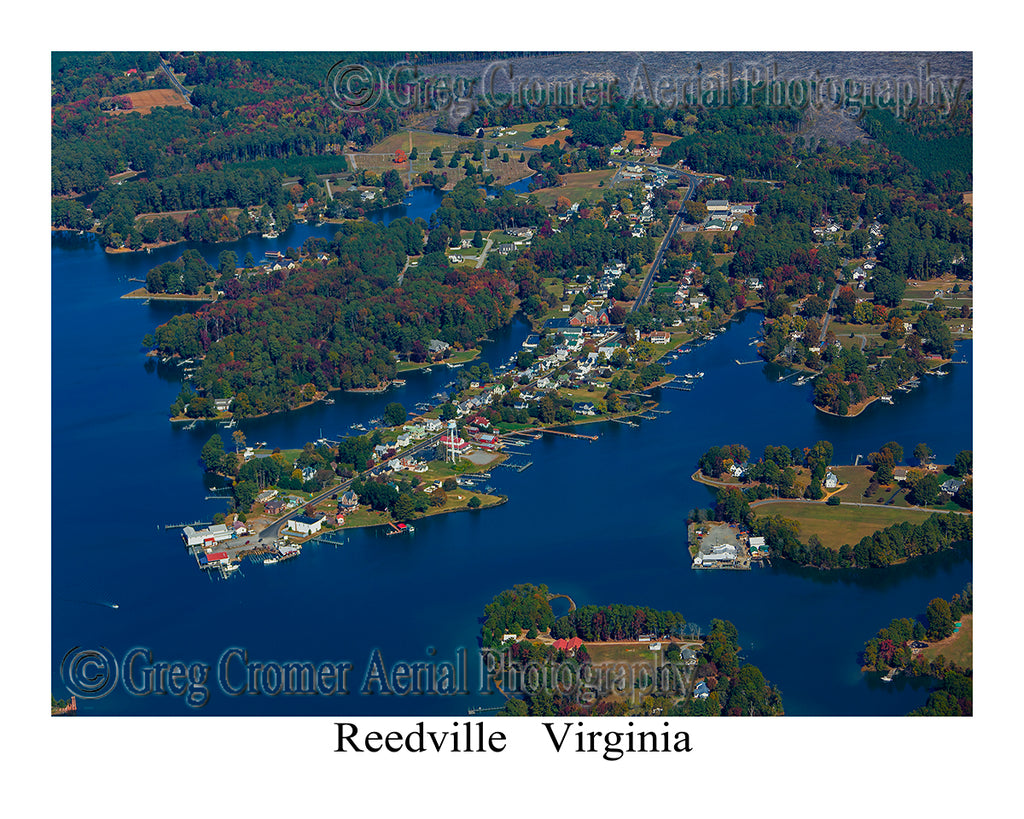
column 584, row 370
column 688, row 299
column 724, row 216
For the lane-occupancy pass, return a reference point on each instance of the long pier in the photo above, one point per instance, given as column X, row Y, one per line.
column 572, row 434
column 328, row 538
column 474, row 711
column 183, row 525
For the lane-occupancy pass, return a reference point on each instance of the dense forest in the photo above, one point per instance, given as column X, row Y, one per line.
column 276, row 338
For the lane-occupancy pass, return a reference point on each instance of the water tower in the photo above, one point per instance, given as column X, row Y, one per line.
column 452, row 442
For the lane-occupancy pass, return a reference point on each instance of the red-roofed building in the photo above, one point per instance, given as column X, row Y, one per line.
column 569, row 645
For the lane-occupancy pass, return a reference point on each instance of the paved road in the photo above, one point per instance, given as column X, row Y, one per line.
column 852, row 503
column 648, row 283
column 174, row 80
column 828, row 316
column 483, row 253
column 273, row 531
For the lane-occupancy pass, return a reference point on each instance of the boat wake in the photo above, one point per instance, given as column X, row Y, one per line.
column 101, row 603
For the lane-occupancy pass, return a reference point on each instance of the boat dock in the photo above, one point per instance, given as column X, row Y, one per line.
column 518, row 467
column 474, row 711
column 572, row 434
column 334, row 538
column 193, row 524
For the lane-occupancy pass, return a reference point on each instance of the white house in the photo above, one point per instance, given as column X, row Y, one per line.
column 831, row 481
column 305, row 525
column 206, row 537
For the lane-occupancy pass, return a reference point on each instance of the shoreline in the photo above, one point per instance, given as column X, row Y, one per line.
column 873, row 399
column 143, row 293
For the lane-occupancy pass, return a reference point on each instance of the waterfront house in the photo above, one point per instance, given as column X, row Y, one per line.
column 348, row 501
column 304, row 525
column 831, row 481
column 436, row 347
column 739, row 470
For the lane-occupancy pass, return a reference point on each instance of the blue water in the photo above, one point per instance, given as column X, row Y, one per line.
column 603, row 522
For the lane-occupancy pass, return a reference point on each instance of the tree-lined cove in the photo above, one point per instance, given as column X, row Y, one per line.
column 356, row 375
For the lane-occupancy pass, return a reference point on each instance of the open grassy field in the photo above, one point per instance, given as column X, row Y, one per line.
column 838, row 525
column 629, row 653
column 180, row 216
column 381, row 157
column 577, row 186
column 523, row 133
column 857, row 479
column 959, row 648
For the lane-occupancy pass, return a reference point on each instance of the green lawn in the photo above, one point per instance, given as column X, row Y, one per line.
column 959, row 648
column 839, row 525
column 577, row 186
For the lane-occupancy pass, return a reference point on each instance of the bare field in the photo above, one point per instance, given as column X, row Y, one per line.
column 550, row 139
column 145, row 101
column 660, row 140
